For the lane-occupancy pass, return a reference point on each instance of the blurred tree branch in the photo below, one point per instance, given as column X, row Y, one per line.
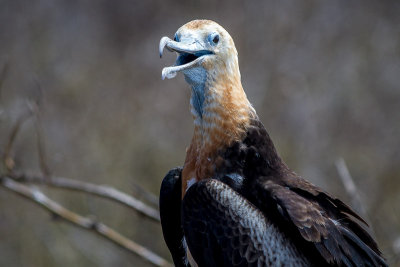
column 142, row 193
column 350, row 187
column 8, row 161
column 103, row 191
column 13, row 181
column 85, row 222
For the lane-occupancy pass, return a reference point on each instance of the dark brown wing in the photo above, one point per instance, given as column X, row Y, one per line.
column 327, row 223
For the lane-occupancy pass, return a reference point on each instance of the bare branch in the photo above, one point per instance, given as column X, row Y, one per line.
column 103, row 191
column 8, row 161
column 143, row 193
column 12, row 183
column 35, row 108
column 65, row 183
column 44, row 167
column 84, row 222
column 350, row 186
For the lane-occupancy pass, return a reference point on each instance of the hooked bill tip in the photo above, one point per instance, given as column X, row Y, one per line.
column 163, row 43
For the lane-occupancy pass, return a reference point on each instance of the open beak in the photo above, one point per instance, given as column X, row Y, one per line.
column 189, row 55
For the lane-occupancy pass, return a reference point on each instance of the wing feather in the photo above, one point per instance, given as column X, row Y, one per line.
column 321, row 220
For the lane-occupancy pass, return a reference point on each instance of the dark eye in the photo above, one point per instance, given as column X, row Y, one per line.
column 176, row 38
column 214, row 38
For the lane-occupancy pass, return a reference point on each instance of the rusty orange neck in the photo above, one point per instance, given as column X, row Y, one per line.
column 225, row 116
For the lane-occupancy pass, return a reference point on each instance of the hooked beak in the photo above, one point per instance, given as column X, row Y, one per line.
column 189, row 55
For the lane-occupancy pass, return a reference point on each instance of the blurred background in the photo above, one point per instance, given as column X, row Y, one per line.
column 324, row 77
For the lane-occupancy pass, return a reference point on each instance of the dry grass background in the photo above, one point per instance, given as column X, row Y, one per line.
column 324, row 77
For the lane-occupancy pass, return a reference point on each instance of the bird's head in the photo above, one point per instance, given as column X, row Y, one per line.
column 205, row 50
column 208, row 59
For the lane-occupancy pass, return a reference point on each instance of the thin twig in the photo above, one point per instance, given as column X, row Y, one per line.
column 84, row 222
column 103, row 191
column 8, row 161
column 44, row 167
column 350, row 186
column 35, row 108
column 142, row 193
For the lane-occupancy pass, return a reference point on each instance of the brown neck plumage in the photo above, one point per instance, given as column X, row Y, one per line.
column 225, row 117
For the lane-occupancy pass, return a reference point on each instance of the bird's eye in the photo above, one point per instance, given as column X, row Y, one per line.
column 214, row 38
column 176, row 38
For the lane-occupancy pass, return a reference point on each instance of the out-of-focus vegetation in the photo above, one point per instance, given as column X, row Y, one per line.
column 324, row 77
